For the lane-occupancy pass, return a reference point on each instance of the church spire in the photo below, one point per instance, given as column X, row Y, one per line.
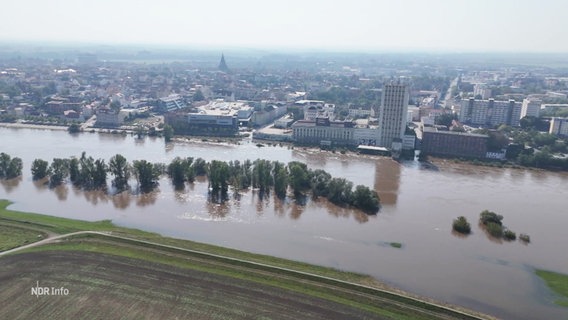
column 223, row 65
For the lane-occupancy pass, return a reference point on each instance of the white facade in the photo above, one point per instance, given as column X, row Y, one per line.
column 530, row 108
column 393, row 113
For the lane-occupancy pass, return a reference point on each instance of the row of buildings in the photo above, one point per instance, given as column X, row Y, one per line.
column 319, row 127
column 493, row 112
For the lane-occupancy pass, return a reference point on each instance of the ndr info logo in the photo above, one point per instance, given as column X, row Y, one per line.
column 49, row 291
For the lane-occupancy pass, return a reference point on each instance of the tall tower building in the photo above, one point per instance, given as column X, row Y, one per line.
column 392, row 113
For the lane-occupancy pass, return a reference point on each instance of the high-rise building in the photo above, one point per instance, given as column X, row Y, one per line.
column 531, row 108
column 392, row 113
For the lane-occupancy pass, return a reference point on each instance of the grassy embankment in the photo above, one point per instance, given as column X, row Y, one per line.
column 369, row 300
column 558, row 283
column 12, row 236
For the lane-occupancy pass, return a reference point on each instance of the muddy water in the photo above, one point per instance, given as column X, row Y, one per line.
column 419, row 203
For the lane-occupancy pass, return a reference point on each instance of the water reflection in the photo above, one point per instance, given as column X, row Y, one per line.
column 121, row 200
column 387, row 181
column 61, row 192
column 296, row 211
column 459, row 234
column 218, row 210
column 146, row 199
column 10, row 184
column 41, row 185
column 110, row 137
column 95, row 196
column 279, row 207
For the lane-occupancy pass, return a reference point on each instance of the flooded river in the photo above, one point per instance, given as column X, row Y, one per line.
column 419, row 204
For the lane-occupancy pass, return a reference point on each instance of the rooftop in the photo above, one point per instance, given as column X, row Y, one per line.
column 223, row 108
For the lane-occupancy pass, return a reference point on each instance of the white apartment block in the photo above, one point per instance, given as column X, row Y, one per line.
column 490, row 112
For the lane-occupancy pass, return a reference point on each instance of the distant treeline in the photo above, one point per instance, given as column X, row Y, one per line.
column 267, row 176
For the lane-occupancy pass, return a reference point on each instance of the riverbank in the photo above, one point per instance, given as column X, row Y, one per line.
column 146, row 240
column 18, row 125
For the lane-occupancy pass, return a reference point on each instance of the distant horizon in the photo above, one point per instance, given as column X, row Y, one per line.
column 460, row 26
column 30, row 44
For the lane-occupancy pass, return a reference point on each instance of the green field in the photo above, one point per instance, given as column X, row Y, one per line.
column 558, row 283
column 146, row 256
column 14, row 236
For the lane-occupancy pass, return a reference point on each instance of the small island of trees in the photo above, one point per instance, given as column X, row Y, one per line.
column 492, row 224
column 293, row 179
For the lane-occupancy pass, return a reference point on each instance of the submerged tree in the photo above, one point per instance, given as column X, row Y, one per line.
column 39, row 169
column 146, row 175
column 299, row 177
column 218, row 174
column 319, row 182
column 280, row 179
column 366, row 199
column 58, row 171
column 340, row 191
column 10, row 167
column 168, row 132
column 120, row 169
column 180, row 171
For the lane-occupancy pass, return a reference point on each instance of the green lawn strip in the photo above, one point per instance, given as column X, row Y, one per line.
column 558, row 283
column 97, row 246
column 13, row 236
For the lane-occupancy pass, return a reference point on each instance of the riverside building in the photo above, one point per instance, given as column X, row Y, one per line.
column 392, row 114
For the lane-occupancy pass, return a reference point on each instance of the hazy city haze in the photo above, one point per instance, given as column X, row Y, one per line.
column 505, row 25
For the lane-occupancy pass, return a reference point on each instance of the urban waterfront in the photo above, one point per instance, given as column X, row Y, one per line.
column 419, row 204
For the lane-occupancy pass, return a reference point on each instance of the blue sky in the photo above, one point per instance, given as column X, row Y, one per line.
column 355, row 25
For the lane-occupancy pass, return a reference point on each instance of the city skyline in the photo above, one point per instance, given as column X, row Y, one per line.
column 439, row 25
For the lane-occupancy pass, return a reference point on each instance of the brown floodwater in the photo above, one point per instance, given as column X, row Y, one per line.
column 419, row 204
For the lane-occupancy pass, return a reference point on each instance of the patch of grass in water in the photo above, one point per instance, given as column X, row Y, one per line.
column 397, row 245
column 558, row 282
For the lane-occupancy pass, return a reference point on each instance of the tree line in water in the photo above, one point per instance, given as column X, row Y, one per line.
column 266, row 176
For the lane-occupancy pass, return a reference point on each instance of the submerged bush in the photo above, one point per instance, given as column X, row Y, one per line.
column 509, row 235
column 461, row 225
column 524, row 237
column 494, row 229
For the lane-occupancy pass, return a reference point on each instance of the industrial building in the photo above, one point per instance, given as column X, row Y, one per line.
column 454, row 144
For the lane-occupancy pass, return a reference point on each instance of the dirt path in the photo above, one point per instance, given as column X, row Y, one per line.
column 49, row 239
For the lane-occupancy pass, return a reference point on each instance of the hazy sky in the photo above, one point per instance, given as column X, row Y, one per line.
column 354, row 25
